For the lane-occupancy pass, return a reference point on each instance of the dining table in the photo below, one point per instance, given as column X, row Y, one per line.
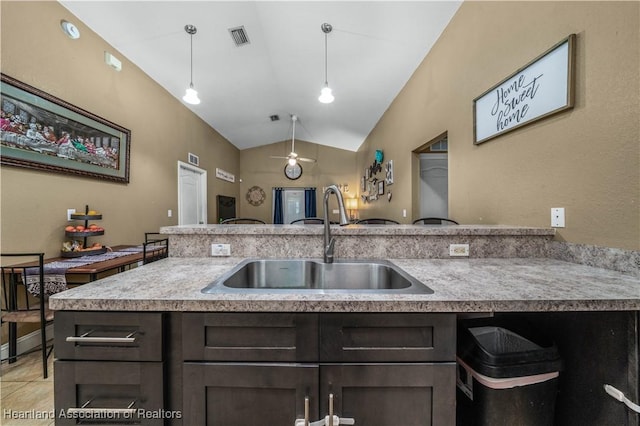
column 84, row 269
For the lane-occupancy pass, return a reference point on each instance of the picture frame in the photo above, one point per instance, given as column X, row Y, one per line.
column 43, row 132
column 381, row 187
column 388, row 178
column 543, row 87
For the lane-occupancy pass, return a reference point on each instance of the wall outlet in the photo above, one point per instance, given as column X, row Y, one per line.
column 557, row 217
column 459, row 250
column 169, row 213
column 220, row 249
column 69, row 213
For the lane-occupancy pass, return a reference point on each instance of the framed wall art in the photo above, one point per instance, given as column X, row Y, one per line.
column 543, row 87
column 42, row 132
column 388, row 173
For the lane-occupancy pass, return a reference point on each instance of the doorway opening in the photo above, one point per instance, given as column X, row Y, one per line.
column 192, row 194
column 432, row 180
column 291, row 204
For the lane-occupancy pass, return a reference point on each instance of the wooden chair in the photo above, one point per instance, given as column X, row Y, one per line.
column 18, row 285
column 376, row 221
column 154, row 249
column 242, row 220
column 434, row 221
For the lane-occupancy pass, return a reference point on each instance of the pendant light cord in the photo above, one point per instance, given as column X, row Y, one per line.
column 326, row 79
column 191, row 81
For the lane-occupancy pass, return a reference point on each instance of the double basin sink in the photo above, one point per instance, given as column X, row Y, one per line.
column 313, row 276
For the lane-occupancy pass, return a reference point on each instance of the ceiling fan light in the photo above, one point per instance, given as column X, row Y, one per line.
column 191, row 96
column 326, row 97
column 292, row 161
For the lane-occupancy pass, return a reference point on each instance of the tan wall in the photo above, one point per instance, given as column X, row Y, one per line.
column 586, row 160
column 333, row 166
column 35, row 51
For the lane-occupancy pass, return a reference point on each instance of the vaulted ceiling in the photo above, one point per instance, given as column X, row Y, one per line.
column 374, row 48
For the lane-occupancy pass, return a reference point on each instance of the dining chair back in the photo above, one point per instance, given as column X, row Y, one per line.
column 311, row 221
column 434, row 221
column 24, row 299
column 154, row 249
column 242, row 221
column 376, row 221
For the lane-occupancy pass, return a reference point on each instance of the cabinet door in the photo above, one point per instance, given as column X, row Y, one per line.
column 226, row 394
column 391, row 394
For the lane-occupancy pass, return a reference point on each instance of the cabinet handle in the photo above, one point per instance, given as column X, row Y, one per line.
column 330, row 423
column 85, row 338
column 127, row 413
column 306, row 411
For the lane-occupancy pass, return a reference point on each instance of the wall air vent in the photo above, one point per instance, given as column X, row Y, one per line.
column 239, row 36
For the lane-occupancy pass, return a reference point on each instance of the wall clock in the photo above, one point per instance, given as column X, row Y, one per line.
column 293, row 172
column 255, row 195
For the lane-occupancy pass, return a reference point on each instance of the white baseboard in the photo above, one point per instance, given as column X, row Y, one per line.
column 26, row 342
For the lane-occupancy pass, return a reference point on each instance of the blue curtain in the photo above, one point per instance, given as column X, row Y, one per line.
column 310, row 202
column 278, row 211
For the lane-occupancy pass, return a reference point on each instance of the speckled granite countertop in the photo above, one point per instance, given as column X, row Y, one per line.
column 460, row 285
column 411, row 230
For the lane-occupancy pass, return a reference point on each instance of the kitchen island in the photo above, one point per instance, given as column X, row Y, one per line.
column 591, row 311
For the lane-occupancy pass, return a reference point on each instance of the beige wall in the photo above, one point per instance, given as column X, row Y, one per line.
column 585, row 160
column 33, row 211
column 333, row 166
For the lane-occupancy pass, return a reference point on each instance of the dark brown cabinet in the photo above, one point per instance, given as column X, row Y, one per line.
column 381, row 369
column 228, row 369
column 109, row 368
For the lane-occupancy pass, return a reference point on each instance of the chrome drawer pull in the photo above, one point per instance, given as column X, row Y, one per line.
column 128, row 412
column 85, row 338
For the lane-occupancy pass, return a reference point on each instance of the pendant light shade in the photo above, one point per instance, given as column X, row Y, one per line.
column 326, row 95
column 191, row 95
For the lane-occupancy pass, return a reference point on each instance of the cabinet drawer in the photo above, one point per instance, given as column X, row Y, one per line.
column 117, row 393
column 97, row 336
column 387, row 337
column 251, row 337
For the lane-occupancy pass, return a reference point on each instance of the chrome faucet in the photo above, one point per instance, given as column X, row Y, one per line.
column 329, row 241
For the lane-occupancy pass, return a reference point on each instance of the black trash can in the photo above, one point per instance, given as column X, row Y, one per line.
column 507, row 375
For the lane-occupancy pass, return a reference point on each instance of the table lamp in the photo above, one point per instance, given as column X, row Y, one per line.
column 351, row 204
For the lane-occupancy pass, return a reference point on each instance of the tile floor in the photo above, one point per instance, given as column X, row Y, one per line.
column 23, row 392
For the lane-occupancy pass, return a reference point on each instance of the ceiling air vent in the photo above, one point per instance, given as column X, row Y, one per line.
column 239, row 36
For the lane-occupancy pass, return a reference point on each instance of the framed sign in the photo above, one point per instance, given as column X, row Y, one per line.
column 42, row 132
column 541, row 88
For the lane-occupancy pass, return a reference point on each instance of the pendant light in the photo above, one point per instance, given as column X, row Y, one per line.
column 191, row 96
column 326, row 97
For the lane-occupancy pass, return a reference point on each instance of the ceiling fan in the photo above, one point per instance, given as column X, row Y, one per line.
column 293, row 158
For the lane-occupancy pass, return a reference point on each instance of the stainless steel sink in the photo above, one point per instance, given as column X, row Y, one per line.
column 305, row 275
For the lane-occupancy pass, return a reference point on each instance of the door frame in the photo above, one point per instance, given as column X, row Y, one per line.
column 202, row 177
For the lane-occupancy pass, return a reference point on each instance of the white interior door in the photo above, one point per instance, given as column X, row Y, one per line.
column 192, row 194
column 434, row 185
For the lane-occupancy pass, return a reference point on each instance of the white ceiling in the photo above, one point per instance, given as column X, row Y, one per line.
column 373, row 49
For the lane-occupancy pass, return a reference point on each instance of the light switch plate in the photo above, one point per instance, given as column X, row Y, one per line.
column 218, row 250
column 557, row 217
column 69, row 213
